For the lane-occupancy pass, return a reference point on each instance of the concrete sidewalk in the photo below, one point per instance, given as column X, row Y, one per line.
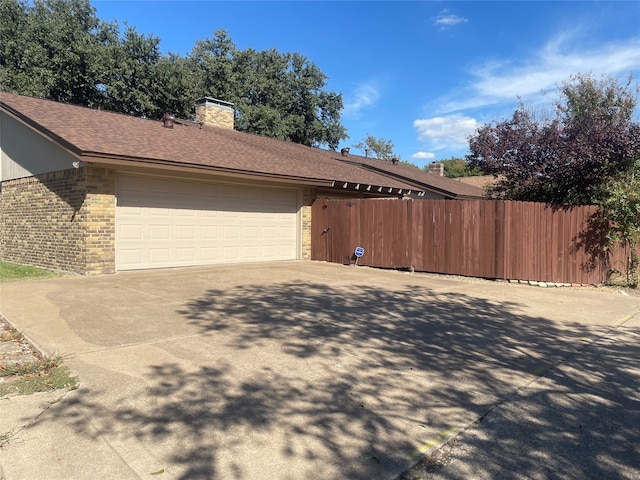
column 281, row 371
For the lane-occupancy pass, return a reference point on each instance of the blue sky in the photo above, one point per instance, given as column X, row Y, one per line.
column 424, row 75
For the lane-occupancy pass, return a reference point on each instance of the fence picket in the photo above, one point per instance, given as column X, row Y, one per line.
column 476, row 238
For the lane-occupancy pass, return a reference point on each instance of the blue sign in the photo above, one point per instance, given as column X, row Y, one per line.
column 359, row 252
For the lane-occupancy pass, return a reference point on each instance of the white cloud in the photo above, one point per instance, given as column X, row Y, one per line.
column 427, row 155
column 450, row 131
column 365, row 95
column 445, row 20
column 500, row 81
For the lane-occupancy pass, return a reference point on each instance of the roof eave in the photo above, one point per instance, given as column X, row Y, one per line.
column 418, row 183
column 370, row 189
column 109, row 160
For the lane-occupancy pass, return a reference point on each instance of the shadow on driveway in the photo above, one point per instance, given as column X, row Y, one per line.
column 351, row 383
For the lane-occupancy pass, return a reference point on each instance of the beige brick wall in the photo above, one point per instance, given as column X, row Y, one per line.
column 308, row 196
column 62, row 220
column 217, row 116
column 100, row 224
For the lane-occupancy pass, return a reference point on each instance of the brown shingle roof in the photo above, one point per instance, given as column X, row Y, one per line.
column 415, row 175
column 481, row 181
column 96, row 133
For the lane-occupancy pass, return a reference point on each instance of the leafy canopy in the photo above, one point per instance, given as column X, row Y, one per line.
column 60, row 50
column 381, row 148
column 276, row 94
column 458, row 167
column 619, row 216
column 566, row 159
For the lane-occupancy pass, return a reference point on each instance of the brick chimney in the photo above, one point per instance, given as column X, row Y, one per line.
column 436, row 168
column 217, row 113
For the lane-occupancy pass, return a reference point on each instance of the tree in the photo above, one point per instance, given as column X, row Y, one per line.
column 276, row 94
column 54, row 50
column 381, row 148
column 175, row 86
column 619, row 211
column 458, row 167
column 60, row 49
column 13, row 44
column 569, row 158
column 131, row 84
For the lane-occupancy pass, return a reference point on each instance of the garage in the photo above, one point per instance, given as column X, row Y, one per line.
column 166, row 222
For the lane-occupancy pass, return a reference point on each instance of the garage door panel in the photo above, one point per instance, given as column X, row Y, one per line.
column 164, row 222
column 231, row 233
column 209, row 233
column 187, row 213
column 185, row 254
column 159, row 256
column 131, row 232
column 158, row 212
column 130, row 257
column 159, row 232
column 185, row 232
column 251, row 233
column 209, row 254
column 230, row 253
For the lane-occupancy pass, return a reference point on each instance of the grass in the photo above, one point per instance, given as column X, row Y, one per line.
column 11, row 272
column 40, row 375
column 10, row 335
column 43, row 375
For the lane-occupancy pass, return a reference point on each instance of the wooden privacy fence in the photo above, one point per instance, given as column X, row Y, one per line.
column 477, row 238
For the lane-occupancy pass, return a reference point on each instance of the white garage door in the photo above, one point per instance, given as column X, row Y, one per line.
column 164, row 222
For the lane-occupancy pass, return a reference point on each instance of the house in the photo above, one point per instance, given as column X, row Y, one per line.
column 91, row 192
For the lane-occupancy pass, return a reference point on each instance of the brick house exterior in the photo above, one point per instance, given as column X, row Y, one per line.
column 62, row 197
column 64, row 220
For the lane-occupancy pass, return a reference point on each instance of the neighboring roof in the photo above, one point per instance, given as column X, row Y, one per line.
column 480, row 181
column 111, row 137
column 413, row 174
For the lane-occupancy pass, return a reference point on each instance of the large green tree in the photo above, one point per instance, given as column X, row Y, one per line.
column 131, row 83
column 13, row 44
column 61, row 50
column 277, row 94
column 54, row 49
column 566, row 159
column 175, row 86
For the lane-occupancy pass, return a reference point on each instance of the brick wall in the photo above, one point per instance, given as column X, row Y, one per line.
column 100, row 220
column 61, row 220
column 308, row 196
column 215, row 114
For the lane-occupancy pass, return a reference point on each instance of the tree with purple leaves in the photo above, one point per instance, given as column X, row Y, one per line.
column 570, row 157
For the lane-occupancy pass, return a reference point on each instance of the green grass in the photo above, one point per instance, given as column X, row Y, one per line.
column 11, row 272
column 42, row 375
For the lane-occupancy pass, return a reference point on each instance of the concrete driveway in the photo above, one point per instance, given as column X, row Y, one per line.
column 284, row 371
